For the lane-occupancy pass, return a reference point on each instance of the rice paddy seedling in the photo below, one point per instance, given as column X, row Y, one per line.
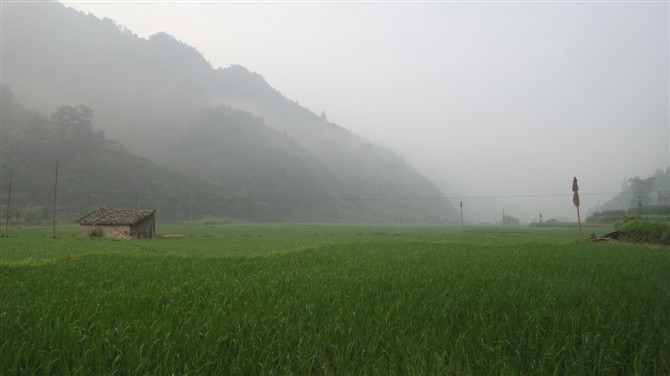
column 333, row 300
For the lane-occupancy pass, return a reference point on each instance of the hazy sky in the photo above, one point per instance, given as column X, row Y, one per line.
column 485, row 98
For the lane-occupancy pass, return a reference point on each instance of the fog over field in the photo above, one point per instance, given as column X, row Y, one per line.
column 499, row 103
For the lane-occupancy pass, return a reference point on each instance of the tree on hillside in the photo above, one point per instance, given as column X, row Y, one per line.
column 72, row 123
column 508, row 220
column 641, row 189
column 661, row 193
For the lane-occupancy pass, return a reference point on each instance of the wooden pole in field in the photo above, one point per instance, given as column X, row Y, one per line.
column 575, row 201
column 53, row 222
column 9, row 199
column 461, row 216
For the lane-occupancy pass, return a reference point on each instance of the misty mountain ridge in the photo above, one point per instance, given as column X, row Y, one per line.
column 225, row 128
column 653, row 190
column 94, row 171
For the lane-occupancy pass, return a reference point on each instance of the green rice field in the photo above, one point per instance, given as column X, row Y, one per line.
column 333, row 300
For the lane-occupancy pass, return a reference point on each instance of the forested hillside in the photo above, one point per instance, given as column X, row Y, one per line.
column 648, row 197
column 226, row 127
column 93, row 171
column 653, row 190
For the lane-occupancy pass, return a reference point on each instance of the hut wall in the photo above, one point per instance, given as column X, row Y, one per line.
column 115, row 232
column 144, row 229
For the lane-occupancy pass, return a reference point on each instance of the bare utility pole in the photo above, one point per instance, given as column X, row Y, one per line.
column 9, row 199
column 53, row 223
column 461, row 216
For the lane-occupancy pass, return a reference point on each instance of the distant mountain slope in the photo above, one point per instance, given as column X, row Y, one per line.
column 93, row 171
column 651, row 191
column 164, row 101
column 233, row 149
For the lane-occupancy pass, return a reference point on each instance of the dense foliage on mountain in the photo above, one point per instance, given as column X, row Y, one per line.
column 270, row 158
column 93, row 171
column 233, row 149
column 649, row 197
column 651, row 191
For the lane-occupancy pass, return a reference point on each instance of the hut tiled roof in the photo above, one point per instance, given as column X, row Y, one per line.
column 115, row 217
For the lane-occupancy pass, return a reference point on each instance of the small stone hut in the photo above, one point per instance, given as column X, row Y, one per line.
column 119, row 223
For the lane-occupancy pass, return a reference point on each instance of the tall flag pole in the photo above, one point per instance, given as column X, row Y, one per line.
column 575, row 201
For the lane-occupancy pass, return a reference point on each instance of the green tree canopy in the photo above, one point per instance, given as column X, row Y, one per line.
column 72, row 123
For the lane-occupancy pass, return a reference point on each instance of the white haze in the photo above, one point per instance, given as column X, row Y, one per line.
column 499, row 103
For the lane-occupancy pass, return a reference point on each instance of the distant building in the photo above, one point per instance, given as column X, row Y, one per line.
column 118, row 224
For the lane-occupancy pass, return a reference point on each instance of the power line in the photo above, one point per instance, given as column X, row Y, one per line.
column 136, row 195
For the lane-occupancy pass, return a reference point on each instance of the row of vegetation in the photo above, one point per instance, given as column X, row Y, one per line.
column 617, row 217
column 644, row 230
column 333, row 300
